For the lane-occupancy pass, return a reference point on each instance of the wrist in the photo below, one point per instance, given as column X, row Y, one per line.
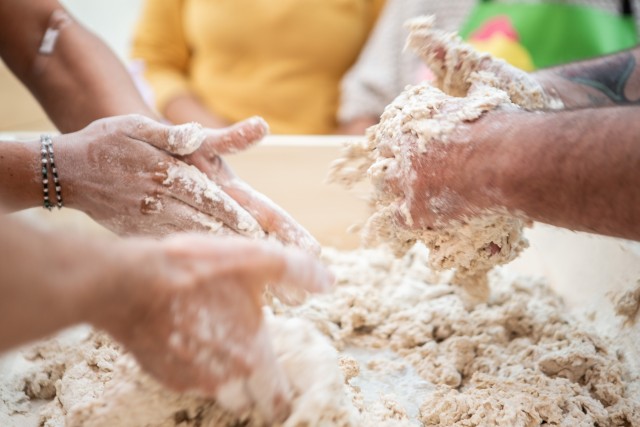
column 493, row 165
column 68, row 161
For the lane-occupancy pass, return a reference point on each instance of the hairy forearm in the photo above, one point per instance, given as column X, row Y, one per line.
column 50, row 280
column 605, row 81
column 575, row 169
column 80, row 81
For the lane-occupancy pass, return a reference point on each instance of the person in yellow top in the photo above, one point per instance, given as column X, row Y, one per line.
column 217, row 62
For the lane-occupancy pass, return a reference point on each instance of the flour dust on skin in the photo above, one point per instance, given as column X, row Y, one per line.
column 426, row 113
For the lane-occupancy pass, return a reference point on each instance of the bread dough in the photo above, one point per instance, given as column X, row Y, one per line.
column 393, row 345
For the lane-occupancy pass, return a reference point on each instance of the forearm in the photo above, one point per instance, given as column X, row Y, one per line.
column 574, row 169
column 51, row 281
column 605, row 81
column 20, row 175
column 80, row 81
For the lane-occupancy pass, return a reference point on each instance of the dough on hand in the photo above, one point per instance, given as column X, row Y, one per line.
column 422, row 114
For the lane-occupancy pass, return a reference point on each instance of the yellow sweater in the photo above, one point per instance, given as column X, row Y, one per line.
column 281, row 59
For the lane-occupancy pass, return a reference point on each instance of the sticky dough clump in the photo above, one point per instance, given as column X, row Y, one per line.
column 423, row 114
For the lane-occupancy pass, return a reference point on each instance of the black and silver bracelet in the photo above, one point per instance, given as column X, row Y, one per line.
column 48, row 160
column 45, row 171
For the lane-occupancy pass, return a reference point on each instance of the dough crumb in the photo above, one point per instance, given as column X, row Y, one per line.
column 627, row 305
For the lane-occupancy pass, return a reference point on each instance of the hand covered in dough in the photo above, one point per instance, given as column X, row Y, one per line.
column 429, row 164
column 191, row 313
column 431, row 167
column 137, row 176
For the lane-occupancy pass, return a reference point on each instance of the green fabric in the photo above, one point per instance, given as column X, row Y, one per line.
column 556, row 33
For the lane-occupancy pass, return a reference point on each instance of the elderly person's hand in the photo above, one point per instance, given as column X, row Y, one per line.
column 190, row 310
column 132, row 174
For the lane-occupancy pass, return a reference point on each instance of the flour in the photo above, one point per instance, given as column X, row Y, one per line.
column 418, row 117
column 185, row 139
column 400, row 348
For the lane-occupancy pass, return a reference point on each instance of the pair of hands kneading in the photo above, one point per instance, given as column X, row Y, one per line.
column 137, row 176
column 189, row 307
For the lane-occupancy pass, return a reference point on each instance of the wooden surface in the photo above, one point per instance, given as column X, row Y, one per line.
column 292, row 171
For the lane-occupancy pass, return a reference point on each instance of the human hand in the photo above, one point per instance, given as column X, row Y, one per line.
column 272, row 218
column 122, row 173
column 189, row 308
column 434, row 156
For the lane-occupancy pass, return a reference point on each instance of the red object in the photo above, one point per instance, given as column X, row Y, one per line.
column 498, row 25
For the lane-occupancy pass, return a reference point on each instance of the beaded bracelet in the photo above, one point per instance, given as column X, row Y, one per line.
column 45, row 175
column 47, row 160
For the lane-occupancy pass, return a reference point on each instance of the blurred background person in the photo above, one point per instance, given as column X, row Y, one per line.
column 219, row 62
column 529, row 35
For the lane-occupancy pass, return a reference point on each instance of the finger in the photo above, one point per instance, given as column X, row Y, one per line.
column 232, row 139
column 189, row 185
column 294, row 273
column 400, row 215
column 178, row 217
column 299, row 274
column 272, row 218
column 179, row 139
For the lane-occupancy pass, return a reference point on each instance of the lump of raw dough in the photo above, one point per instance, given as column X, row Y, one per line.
column 420, row 114
column 97, row 385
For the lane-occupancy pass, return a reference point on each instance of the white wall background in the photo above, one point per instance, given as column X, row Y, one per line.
column 112, row 20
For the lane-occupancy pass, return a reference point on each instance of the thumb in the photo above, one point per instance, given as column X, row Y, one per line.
column 187, row 138
column 292, row 272
column 449, row 58
column 179, row 139
column 234, row 138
